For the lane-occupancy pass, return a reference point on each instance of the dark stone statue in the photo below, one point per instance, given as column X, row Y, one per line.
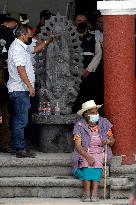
column 62, row 66
column 58, row 74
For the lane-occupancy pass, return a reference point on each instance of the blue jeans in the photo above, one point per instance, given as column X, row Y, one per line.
column 20, row 104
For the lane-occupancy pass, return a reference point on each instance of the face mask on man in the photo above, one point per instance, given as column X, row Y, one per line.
column 93, row 118
column 81, row 28
column 29, row 41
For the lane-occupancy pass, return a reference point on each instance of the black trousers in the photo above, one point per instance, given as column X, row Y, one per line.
column 91, row 88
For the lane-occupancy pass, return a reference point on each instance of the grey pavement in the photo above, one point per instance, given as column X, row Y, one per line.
column 57, row 201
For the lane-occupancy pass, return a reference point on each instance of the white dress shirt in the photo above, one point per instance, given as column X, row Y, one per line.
column 19, row 56
column 31, row 50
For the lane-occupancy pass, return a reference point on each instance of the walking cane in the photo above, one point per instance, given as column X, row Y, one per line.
column 105, row 174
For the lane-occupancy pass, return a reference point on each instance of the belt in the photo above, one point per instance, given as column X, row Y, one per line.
column 87, row 54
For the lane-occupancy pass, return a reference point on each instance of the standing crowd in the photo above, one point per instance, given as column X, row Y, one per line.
column 18, row 45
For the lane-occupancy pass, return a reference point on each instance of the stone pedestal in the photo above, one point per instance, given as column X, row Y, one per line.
column 55, row 132
column 119, row 74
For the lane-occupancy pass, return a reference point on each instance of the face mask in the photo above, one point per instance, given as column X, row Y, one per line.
column 81, row 28
column 29, row 41
column 93, row 118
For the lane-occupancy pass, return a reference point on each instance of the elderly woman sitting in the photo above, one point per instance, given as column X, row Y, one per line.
column 91, row 133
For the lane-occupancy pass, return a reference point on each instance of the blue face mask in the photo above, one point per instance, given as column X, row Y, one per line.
column 94, row 118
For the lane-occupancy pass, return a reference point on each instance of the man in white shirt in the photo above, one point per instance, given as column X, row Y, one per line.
column 21, row 87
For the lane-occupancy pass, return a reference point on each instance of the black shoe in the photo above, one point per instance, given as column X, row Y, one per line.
column 24, row 154
column 6, row 150
column 30, row 152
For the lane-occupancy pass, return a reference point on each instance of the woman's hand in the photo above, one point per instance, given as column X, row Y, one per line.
column 106, row 142
column 110, row 141
column 90, row 160
column 82, row 151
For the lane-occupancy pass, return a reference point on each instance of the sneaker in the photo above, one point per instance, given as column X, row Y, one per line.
column 85, row 198
column 24, row 154
column 94, row 199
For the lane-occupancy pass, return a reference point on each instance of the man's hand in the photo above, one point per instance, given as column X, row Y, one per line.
column 31, row 91
column 0, row 119
column 90, row 160
column 38, row 48
column 85, row 73
column 50, row 38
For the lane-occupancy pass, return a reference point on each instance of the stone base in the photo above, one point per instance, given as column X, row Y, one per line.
column 56, row 138
column 55, row 132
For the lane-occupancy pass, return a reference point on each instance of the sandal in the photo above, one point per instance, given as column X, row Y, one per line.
column 94, row 198
column 85, row 198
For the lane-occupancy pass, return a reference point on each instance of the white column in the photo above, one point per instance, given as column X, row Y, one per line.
column 127, row 7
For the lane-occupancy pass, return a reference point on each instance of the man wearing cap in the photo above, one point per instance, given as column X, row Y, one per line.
column 90, row 135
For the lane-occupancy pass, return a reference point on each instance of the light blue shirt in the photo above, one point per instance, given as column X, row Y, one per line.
column 19, row 56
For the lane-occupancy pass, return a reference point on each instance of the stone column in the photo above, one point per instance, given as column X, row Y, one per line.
column 119, row 74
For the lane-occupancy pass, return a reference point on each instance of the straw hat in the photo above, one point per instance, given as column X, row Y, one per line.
column 87, row 106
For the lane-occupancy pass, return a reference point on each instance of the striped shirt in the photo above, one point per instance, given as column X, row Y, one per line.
column 19, row 56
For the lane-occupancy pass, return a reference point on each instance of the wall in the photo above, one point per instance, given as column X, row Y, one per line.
column 33, row 7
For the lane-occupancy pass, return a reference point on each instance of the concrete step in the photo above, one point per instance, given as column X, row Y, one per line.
column 57, row 201
column 120, row 188
column 120, row 192
column 44, row 165
column 59, row 187
column 123, row 171
column 35, row 171
column 49, row 175
column 47, row 187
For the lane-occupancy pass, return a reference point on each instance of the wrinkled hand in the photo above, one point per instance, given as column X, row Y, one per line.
column 106, row 142
column 31, row 91
column 90, row 160
column 85, row 73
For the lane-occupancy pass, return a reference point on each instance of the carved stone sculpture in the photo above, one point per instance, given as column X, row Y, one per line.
column 62, row 66
column 58, row 74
